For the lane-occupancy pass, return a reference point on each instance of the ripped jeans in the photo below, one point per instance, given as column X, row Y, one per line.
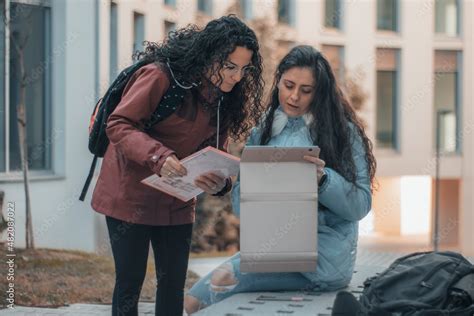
column 227, row 280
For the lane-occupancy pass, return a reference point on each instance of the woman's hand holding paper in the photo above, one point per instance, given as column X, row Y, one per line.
column 173, row 168
column 210, row 182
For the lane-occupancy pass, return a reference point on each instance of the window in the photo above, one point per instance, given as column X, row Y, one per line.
column 2, row 92
column 286, row 11
column 387, row 15
column 246, row 8
column 138, row 31
column 205, row 6
column 171, row 3
column 169, row 27
column 113, row 61
column 333, row 14
column 447, row 17
column 335, row 56
column 387, row 96
column 447, row 80
column 30, row 37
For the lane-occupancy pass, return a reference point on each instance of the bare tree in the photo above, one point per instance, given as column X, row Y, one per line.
column 354, row 90
column 19, row 45
column 3, row 221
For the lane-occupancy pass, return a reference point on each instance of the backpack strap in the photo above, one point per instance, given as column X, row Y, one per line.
column 115, row 90
column 170, row 101
column 466, row 284
column 89, row 179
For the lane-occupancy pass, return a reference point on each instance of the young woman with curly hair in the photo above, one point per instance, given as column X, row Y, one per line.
column 308, row 108
column 220, row 68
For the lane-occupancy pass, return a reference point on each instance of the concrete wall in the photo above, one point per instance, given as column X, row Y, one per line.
column 59, row 219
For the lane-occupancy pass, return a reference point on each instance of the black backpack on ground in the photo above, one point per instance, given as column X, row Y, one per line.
column 425, row 283
column 98, row 140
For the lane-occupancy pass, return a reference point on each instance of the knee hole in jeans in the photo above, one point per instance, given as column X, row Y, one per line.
column 223, row 278
column 192, row 304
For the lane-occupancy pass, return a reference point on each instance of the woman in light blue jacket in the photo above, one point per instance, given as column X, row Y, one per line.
column 308, row 108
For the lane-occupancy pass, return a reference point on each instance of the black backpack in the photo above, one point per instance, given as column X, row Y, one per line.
column 98, row 140
column 425, row 283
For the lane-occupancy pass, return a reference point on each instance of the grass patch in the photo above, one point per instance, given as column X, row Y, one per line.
column 52, row 278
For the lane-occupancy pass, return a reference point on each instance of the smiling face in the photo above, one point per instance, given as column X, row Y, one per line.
column 296, row 90
column 234, row 69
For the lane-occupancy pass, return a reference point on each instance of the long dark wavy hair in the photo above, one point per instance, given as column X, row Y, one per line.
column 332, row 113
column 191, row 53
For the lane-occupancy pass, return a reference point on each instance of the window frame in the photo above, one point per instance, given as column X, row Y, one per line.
column 396, row 108
column 139, row 28
column 4, row 110
column 340, row 15
column 291, row 13
column 458, row 103
column 458, row 21
column 113, row 41
column 208, row 7
column 48, row 171
column 247, row 9
column 397, row 19
column 167, row 29
column 170, row 3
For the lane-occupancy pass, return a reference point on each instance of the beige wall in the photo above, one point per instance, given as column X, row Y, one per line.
column 386, row 204
column 449, row 205
column 467, row 185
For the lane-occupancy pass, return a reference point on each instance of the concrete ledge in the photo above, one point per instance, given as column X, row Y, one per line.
column 293, row 303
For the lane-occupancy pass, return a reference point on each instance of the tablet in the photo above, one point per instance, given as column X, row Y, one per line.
column 278, row 154
column 278, row 209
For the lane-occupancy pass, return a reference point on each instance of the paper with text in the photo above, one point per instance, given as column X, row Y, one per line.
column 203, row 161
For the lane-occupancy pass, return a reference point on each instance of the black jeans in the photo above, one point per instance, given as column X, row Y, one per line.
column 130, row 244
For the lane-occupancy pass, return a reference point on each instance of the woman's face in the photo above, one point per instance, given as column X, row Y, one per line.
column 296, row 90
column 234, row 69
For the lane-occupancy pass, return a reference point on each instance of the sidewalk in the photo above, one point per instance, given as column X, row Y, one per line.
column 201, row 266
column 368, row 262
column 75, row 310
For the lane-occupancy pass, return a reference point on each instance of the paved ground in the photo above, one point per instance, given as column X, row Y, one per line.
column 294, row 303
column 75, row 310
column 298, row 303
column 281, row 303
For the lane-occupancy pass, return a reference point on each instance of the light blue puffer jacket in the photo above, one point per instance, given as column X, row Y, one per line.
column 341, row 205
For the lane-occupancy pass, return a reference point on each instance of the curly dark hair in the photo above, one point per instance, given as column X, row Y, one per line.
column 332, row 113
column 192, row 52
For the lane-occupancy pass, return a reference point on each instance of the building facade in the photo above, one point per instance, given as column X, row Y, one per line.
column 412, row 59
